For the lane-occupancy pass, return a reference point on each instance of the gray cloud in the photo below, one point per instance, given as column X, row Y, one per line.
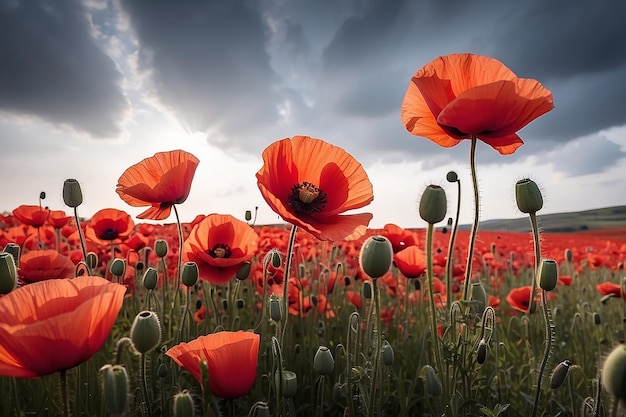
column 587, row 155
column 53, row 69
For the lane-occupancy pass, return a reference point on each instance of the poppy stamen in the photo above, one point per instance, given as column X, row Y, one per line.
column 306, row 198
column 221, row 250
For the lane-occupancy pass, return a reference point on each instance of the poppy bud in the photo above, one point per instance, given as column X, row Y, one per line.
column 190, row 274
column 301, row 271
column 183, row 404
column 376, row 256
column 387, row 354
column 528, row 196
column 569, row 256
column 273, row 258
column 240, row 303
column 243, row 272
column 431, row 381
column 367, row 290
column 481, row 352
column 161, row 248
column 433, row 204
column 42, row 195
column 289, row 384
column 14, row 250
column 559, row 374
column 162, row 370
column 614, row 373
column 8, row 273
column 150, row 278
column 91, row 260
column 72, row 194
column 118, row 267
column 248, row 215
column 323, row 362
column 145, row 332
column 451, row 176
column 114, row 384
column 275, row 309
column 597, row 320
column 548, row 274
column 479, row 296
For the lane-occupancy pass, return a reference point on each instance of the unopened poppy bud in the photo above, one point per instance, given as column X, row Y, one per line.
column 387, row 354
column 323, row 362
column 433, row 204
column 145, row 332
column 451, row 176
column 118, row 267
column 431, row 381
column 273, row 258
column 162, row 370
column 367, row 290
column 569, row 256
column 42, row 195
column 114, row 384
column 259, row 409
column 548, row 274
column 481, row 352
column 559, row 374
column 243, row 272
column 248, row 215
column 91, row 260
column 614, row 373
column 183, row 404
column 597, row 320
column 14, row 250
column 150, row 278
column 190, row 274
column 479, row 297
column 275, row 309
column 161, row 248
column 528, row 196
column 376, row 256
column 289, row 383
column 72, row 194
column 8, row 273
column 240, row 303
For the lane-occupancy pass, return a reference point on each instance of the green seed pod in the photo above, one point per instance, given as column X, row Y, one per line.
column 433, row 204
column 548, row 274
column 150, row 278
column 72, row 194
column 161, row 248
column 387, row 354
column 275, row 309
column 376, row 256
column 14, row 250
column 451, row 176
column 145, row 332
column 91, row 260
column 559, row 374
column 114, row 385
column 183, row 404
column 431, row 381
column 118, row 267
column 479, row 297
column 289, row 384
column 323, row 362
column 8, row 273
column 244, row 271
column 614, row 372
column 528, row 196
column 190, row 274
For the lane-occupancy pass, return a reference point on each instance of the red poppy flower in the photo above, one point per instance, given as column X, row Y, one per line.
column 40, row 265
column 411, row 262
column 309, row 183
column 159, row 181
column 519, row 298
column 459, row 96
column 219, row 244
column 55, row 325
column 231, row 358
column 58, row 218
column 110, row 224
column 609, row 288
column 400, row 238
column 31, row 215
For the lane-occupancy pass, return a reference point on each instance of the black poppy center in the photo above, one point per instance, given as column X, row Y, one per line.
column 221, row 250
column 109, row 234
column 306, row 198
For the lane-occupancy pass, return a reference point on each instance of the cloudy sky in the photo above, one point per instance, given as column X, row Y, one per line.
column 88, row 88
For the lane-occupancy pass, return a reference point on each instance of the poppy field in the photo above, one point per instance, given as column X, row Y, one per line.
column 322, row 315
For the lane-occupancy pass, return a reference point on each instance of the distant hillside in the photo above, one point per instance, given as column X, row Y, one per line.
column 604, row 218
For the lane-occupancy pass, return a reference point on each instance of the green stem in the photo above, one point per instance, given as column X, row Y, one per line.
column 183, row 318
column 292, row 239
column 64, row 394
column 475, row 224
column 537, row 246
column 377, row 351
column 449, row 263
column 82, row 239
column 144, row 386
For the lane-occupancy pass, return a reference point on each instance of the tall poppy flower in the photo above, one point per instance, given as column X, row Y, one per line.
column 309, row 183
column 411, row 262
column 110, row 224
column 55, row 325
column 519, row 298
column 40, row 265
column 219, row 245
column 159, row 181
column 231, row 358
column 31, row 215
column 459, row 96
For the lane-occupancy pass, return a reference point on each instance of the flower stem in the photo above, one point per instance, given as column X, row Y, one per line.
column 475, row 224
column 449, row 261
column 179, row 266
column 82, row 239
column 144, row 386
column 379, row 342
column 292, row 239
column 64, row 394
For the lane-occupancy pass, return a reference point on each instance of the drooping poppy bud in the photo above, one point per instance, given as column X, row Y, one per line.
column 548, row 274
column 244, row 271
column 528, row 196
column 72, row 194
column 433, row 204
column 145, row 332
column 8, row 273
column 183, row 404
column 481, row 352
column 323, row 362
column 150, row 278
column 376, row 256
column 114, row 385
column 275, row 309
column 559, row 374
column 190, row 274
column 161, row 248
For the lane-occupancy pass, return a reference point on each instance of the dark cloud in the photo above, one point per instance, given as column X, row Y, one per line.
column 52, row 68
